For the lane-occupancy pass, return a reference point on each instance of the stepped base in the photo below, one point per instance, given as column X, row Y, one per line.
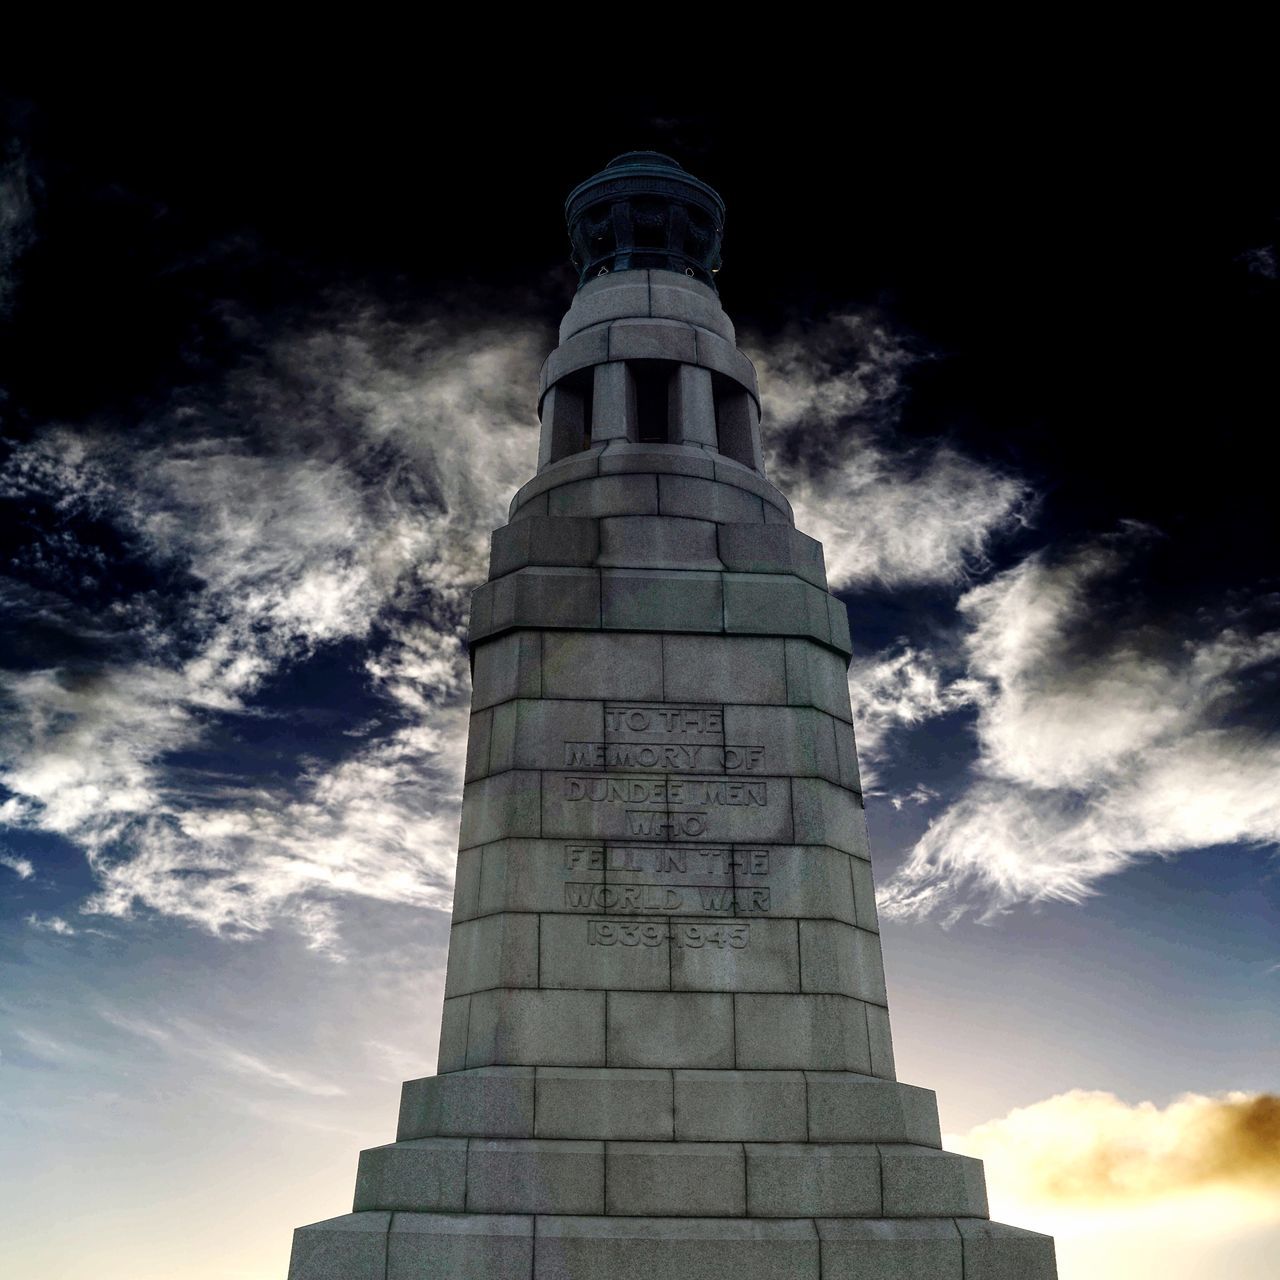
column 468, row 1246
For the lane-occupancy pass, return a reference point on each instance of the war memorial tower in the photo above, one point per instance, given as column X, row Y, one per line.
column 665, row 1049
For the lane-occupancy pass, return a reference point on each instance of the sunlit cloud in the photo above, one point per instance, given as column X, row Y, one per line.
column 51, row 924
column 888, row 512
column 1100, row 740
column 1183, row 1191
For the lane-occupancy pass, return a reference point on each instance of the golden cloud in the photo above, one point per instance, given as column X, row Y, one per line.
column 1086, row 1147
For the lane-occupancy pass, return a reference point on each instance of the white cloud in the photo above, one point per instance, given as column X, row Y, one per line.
column 350, row 499
column 23, row 868
column 51, row 924
column 1100, row 741
column 888, row 512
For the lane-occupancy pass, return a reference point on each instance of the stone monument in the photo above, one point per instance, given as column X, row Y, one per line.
column 665, row 1047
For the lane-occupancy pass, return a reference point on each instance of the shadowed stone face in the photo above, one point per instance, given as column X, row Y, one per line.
column 665, row 1043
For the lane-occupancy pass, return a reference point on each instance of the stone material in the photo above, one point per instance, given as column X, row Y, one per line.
column 624, row 1248
column 922, row 1182
column 656, row 600
column 801, row 1033
column 881, row 1249
column 594, row 665
column 353, row 1247
column 460, row 1246
column 847, row 1107
column 657, row 542
column 492, row 951
column 578, row 1102
column 536, row 1028
column 511, row 1176
column 708, row 500
column 425, row 1175
column 754, row 548
column 993, row 1251
column 676, row 1029
column 737, row 1106
column 810, row 1180
column 841, row 960
column 723, row 669
column 676, row 1179
column 541, row 540
column 495, row 1102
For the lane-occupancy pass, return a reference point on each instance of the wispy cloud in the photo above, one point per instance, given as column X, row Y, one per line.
column 51, row 924
column 887, row 511
column 1102, row 738
column 184, row 1039
column 23, row 868
column 340, row 486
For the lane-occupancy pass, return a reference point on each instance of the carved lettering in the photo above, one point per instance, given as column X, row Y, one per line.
column 673, row 756
column 651, row 933
column 664, row 791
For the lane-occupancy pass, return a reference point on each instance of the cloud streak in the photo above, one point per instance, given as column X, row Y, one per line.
column 888, row 513
column 1102, row 738
column 340, row 486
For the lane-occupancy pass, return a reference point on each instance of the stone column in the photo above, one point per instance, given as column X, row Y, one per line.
column 665, row 1046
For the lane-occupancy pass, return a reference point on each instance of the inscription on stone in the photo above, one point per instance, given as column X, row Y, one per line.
column 634, row 933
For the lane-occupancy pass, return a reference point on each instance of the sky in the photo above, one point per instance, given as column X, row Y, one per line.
column 268, row 369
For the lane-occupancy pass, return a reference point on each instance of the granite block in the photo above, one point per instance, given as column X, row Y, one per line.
column 454, row 1021
column 596, row 665
column 818, row 677
column 828, row 814
column 495, row 1102
column 504, row 806
column 611, row 495
column 882, row 1249
column 880, row 1041
column 799, row 741
column 775, row 604
column 707, row 500
column 536, row 1028
column 507, row 1175
column 767, row 960
column 661, row 600
column 606, row 298
column 670, row 1029
column 675, row 1179
column 993, row 1251
column 724, row 669
column 864, row 895
column 466, row 885
column 693, row 406
column 534, row 734
column 478, row 735
column 657, row 542
column 578, row 955
column 605, row 1102
column 921, row 1182
column 802, row 881
column 740, row 1106
column 772, row 548
column 460, row 1246
column 509, row 667
column 423, row 1175
column 801, row 1033
column 493, row 951
column 535, row 875
column 352, row 1247
column 622, row 457
column 613, row 411
column 812, row 1179
column 846, row 1107
column 841, row 959
column 544, row 540
column 677, row 297
column 645, row 339
column 675, row 1249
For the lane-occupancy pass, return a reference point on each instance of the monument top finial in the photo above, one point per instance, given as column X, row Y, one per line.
column 643, row 209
